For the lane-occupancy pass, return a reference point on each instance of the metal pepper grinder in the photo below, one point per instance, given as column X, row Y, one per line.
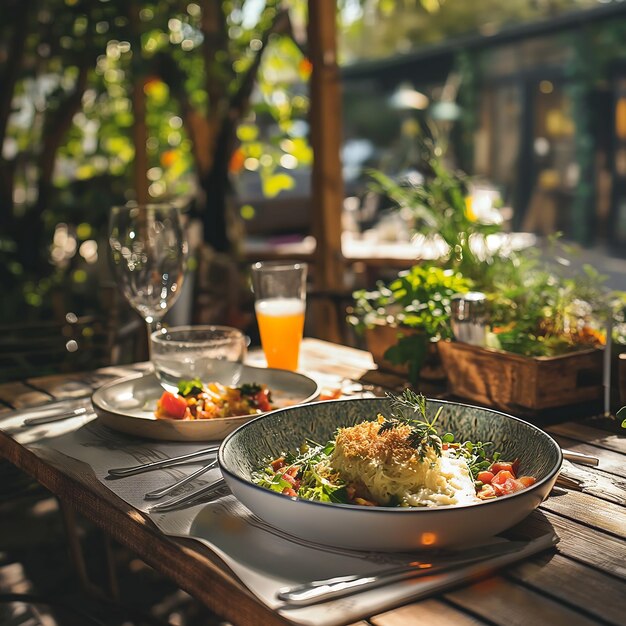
column 469, row 317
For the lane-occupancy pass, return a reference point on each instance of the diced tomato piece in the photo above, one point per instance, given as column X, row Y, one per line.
column 501, row 477
column 287, row 491
column 485, row 477
column 515, row 466
column 486, row 492
column 293, row 471
column 507, row 486
column 174, row 406
column 527, row 481
column 498, row 466
column 288, row 478
column 261, row 400
column 278, row 463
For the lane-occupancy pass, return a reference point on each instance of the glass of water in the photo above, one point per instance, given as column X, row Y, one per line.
column 209, row 353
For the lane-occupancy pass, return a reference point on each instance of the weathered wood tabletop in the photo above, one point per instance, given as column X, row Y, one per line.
column 581, row 582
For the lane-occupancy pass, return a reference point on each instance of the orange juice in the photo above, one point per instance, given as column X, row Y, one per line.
column 281, row 324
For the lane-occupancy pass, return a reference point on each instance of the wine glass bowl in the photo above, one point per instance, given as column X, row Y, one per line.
column 148, row 253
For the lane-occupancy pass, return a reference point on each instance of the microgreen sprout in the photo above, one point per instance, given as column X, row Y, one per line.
column 410, row 409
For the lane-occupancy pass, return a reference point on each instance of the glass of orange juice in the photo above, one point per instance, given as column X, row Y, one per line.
column 280, row 300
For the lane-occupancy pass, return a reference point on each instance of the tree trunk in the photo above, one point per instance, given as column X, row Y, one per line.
column 216, row 187
column 19, row 12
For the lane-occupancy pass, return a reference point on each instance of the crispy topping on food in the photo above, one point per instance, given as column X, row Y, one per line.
column 366, row 442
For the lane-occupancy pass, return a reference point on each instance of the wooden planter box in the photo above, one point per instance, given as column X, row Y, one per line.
column 382, row 336
column 509, row 381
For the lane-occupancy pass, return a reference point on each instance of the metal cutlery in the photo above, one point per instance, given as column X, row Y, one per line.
column 188, row 499
column 122, row 472
column 159, row 493
column 581, row 458
column 322, row 590
column 568, row 482
column 56, row 417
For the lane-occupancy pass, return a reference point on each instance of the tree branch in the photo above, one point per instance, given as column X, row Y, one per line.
column 13, row 63
column 241, row 98
column 202, row 130
column 58, row 125
column 215, row 39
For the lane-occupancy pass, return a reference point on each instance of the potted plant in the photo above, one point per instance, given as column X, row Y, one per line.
column 545, row 341
column 401, row 320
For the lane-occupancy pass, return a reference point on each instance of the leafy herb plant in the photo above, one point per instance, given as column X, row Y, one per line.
column 440, row 206
column 418, row 298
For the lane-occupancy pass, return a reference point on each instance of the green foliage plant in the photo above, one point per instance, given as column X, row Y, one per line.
column 537, row 309
column 418, row 298
column 440, row 206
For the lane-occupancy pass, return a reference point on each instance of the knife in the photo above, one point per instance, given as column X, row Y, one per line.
column 331, row 588
column 45, row 419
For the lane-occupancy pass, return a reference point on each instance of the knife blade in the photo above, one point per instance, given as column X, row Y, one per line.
column 46, row 419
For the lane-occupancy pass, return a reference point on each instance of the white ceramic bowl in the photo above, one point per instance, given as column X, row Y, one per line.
column 386, row 528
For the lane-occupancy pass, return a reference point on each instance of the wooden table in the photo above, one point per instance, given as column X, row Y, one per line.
column 581, row 583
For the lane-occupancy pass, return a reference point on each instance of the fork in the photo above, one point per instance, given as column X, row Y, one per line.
column 188, row 499
column 122, row 472
column 159, row 493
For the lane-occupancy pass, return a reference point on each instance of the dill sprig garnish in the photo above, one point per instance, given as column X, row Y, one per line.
column 410, row 409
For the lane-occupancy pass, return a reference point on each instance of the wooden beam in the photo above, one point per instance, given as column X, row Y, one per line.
column 327, row 189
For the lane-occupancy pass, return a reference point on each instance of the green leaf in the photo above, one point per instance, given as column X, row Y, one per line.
column 249, row 389
column 189, row 387
column 411, row 349
column 339, row 495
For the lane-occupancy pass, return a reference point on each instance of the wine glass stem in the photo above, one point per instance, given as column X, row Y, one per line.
column 151, row 326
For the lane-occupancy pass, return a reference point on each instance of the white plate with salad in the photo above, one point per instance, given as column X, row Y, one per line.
column 199, row 410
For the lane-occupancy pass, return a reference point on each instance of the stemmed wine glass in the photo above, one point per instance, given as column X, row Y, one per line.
column 148, row 251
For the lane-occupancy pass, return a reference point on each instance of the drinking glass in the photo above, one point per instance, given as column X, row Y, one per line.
column 280, row 299
column 148, row 251
column 210, row 353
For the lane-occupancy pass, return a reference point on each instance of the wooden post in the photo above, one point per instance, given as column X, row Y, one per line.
column 140, row 128
column 327, row 192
